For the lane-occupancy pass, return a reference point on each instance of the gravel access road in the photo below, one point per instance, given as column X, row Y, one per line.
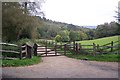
column 63, row 67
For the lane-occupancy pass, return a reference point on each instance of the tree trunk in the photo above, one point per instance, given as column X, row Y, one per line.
column 18, row 34
column 26, row 7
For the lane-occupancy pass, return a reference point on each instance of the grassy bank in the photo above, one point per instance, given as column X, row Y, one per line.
column 101, row 57
column 23, row 62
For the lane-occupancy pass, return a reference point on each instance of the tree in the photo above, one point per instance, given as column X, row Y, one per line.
column 90, row 34
column 11, row 13
column 118, row 13
column 73, row 36
column 47, row 30
column 33, row 7
column 65, row 35
column 58, row 38
column 82, row 35
column 16, row 24
column 107, row 29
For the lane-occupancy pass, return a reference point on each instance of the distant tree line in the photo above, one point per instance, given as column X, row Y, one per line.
column 18, row 23
column 107, row 29
column 64, row 31
column 52, row 29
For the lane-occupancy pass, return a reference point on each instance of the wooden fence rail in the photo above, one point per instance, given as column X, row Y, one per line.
column 77, row 47
column 24, row 51
column 7, row 44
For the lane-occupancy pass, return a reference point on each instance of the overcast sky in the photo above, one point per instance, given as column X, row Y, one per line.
column 81, row 12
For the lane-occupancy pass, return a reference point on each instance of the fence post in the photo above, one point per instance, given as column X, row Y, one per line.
column 77, row 48
column 20, row 52
column 35, row 49
column 55, row 48
column 65, row 46
column 74, row 46
column 94, row 49
column 29, row 51
column 97, row 46
column 46, row 47
column 80, row 47
column 111, row 46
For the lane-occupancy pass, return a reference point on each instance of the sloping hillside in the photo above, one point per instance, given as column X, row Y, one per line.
column 100, row 41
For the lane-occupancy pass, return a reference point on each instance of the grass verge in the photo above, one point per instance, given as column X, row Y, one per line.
column 100, row 57
column 23, row 62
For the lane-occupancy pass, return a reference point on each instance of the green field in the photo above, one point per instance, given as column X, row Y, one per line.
column 100, row 57
column 100, row 41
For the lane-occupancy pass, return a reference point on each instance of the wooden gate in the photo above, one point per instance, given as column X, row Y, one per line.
column 44, row 50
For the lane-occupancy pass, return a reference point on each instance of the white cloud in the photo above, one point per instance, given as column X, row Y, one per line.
column 81, row 12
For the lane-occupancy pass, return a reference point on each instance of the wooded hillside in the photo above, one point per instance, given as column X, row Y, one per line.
column 18, row 23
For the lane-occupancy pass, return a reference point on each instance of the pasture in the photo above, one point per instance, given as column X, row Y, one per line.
column 100, row 41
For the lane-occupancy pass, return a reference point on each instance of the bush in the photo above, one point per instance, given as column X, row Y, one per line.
column 65, row 35
column 65, row 38
column 58, row 38
column 23, row 41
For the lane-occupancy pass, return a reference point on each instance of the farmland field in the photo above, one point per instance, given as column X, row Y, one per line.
column 100, row 41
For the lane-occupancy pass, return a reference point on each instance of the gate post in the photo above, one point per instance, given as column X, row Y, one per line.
column 65, row 47
column 111, row 46
column 74, row 46
column 35, row 49
column 20, row 52
column 46, row 48
column 55, row 48
column 29, row 51
column 94, row 49
column 77, row 48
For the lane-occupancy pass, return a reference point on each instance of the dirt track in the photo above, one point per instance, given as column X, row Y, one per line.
column 63, row 67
